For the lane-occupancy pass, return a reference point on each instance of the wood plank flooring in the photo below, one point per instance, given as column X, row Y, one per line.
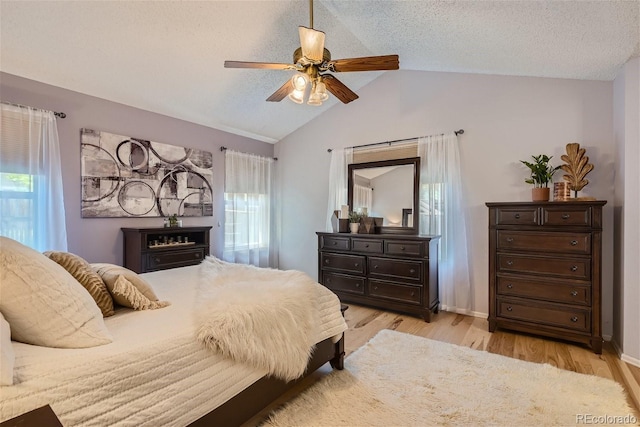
column 473, row 332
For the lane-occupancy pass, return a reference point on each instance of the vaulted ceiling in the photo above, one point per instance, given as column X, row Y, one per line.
column 167, row 56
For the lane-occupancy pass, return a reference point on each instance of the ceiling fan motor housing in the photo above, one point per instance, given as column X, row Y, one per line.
column 297, row 56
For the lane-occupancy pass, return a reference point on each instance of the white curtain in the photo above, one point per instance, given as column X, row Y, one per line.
column 31, row 196
column 338, row 178
column 362, row 197
column 250, row 210
column 442, row 212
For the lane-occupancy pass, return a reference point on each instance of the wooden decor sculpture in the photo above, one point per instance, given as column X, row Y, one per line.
column 577, row 168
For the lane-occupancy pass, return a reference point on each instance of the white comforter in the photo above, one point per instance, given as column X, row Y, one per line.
column 154, row 373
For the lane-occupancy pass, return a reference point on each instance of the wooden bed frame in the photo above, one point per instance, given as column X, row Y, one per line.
column 263, row 392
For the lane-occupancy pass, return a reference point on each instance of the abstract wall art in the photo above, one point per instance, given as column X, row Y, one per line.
column 130, row 177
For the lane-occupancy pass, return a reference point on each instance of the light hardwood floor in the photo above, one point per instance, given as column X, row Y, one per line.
column 473, row 332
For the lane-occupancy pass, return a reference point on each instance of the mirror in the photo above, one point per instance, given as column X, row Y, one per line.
column 387, row 189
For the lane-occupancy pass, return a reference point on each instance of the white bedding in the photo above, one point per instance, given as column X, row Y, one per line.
column 154, row 373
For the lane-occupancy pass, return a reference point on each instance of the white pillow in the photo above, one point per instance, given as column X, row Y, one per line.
column 44, row 304
column 7, row 356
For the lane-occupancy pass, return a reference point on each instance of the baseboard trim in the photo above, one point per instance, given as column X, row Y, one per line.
column 630, row 360
column 463, row 311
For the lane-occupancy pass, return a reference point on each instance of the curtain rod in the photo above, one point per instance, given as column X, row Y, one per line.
column 458, row 132
column 55, row 113
column 223, row 148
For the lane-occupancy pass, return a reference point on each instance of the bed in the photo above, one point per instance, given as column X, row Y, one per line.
column 154, row 372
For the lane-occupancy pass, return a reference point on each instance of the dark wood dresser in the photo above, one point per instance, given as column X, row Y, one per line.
column 151, row 249
column 394, row 272
column 545, row 269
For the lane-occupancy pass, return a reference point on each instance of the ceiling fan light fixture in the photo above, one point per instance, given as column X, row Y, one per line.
column 297, row 96
column 300, row 81
column 312, row 44
column 321, row 90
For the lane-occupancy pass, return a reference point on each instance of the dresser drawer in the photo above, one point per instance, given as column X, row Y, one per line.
column 403, row 248
column 573, row 268
column 517, row 216
column 335, row 243
column 569, row 243
column 549, row 314
column 367, row 245
column 567, row 215
column 175, row 258
column 402, row 269
column 342, row 262
column 343, row 283
column 547, row 291
column 394, row 291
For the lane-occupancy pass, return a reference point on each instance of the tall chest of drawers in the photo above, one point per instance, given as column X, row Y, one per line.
column 545, row 269
column 394, row 272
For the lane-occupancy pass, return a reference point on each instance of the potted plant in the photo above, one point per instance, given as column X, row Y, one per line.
column 354, row 222
column 174, row 221
column 541, row 175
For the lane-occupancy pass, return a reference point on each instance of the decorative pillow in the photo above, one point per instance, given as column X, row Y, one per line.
column 111, row 272
column 44, row 304
column 83, row 273
column 7, row 356
column 124, row 290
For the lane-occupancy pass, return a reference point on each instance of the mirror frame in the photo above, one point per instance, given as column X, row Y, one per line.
column 415, row 161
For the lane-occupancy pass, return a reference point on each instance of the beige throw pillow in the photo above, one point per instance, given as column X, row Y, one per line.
column 44, row 304
column 124, row 290
column 110, row 273
column 83, row 273
column 7, row 356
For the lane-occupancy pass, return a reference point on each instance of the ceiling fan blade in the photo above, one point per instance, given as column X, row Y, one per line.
column 279, row 94
column 312, row 43
column 264, row 65
column 338, row 89
column 366, row 63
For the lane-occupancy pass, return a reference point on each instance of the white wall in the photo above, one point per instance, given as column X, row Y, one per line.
column 627, row 212
column 505, row 119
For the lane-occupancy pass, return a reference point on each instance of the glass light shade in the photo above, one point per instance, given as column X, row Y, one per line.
column 299, row 81
column 312, row 43
column 321, row 90
column 314, row 99
column 297, row 96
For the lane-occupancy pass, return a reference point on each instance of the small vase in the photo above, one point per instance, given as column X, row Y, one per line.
column 353, row 226
column 540, row 194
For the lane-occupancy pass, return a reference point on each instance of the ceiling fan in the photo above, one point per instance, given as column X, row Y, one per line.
column 313, row 62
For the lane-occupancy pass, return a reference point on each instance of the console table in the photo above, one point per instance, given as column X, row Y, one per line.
column 161, row 248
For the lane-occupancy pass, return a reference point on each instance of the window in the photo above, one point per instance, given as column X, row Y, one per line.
column 249, row 236
column 31, row 199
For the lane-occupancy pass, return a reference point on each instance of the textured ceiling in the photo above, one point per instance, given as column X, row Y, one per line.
column 167, row 56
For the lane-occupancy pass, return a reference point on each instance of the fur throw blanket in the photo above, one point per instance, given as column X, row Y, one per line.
column 262, row 317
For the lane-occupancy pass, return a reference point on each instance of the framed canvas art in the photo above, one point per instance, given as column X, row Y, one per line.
column 130, row 177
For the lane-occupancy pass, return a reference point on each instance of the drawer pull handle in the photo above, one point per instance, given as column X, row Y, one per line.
column 157, row 260
column 375, row 288
column 574, row 293
column 509, row 308
column 413, row 294
column 366, row 246
column 402, row 248
column 375, row 267
column 196, row 255
column 326, row 261
column 335, row 243
column 412, row 271
column 509, row 239
column 565, row 216
column 574, row 319
column 517, row 216
column 509, row 286
column 356, row 264
column 574, row 268
column 574, row 242
column 509, row 263
column 328, row 280
column 357, row 285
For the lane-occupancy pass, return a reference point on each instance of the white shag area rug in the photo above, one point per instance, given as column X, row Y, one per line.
column 397, row 379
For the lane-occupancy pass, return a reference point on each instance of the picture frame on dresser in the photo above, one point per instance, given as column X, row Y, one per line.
column 545, row 269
